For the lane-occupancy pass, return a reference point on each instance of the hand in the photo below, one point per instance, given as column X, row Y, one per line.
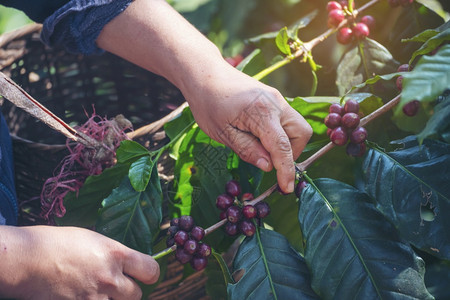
column 253, row 119
column 43, row 262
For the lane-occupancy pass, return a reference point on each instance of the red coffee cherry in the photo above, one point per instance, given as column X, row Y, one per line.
column 234, row 214
column 339, row 136
column 182, row 256
column 249, row 211
column 198, row 263
column 399, row 83
column 181, row 237
column 358, row 135
column 336, row 108
column 333, row 5
column 369, row 21
column 356, row 150
column 224, row 201
column 350, row 120
column 263, row 209
column 190, row 246
column 403, row 68
column 361, row 31
column 247, row 228
column 351, row 106
column 197, row 233
column 411, row 108
column 186, row 223
column 247, row 197
column 204, row 250
column 233, row 188
column 299, row 188
column 231, row 228
column 335, row 17
column 332, row 120
column 344, row 36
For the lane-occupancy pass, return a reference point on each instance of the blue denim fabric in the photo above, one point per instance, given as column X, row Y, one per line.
column 76, row 25
column 8, row 199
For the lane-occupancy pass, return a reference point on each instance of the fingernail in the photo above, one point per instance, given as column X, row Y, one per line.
column 290, row 187
column 262, row 163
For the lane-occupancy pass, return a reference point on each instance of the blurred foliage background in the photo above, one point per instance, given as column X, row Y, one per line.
column 231, row 23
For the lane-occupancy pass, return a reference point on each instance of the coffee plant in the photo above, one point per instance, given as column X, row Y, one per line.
column 370, row 216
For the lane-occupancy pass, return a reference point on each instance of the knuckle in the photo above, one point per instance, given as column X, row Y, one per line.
column 283, row 144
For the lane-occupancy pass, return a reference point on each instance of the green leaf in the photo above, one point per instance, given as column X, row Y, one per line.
column 436, row 7
column 355, row 68
column 81, row 208
column 129, row 151
column 252, row 63
column 443, row 35
column 352, row 252
column 429, row 78
column 179, row 123
column 273, row 270
column 282, row 40
column 218, row 277
column 411, row 189
column 427, row 34
column 140, row 172
column 131, row 217
column 439, row 123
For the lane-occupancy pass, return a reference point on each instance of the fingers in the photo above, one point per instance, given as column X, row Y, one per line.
column 126, row 288
column 141, row 267
column 297, row 129
column 248, row 147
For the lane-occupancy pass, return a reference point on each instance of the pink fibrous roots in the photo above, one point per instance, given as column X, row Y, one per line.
column 83, row 162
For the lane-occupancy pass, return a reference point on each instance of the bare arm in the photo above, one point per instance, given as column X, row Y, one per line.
column 251, row 118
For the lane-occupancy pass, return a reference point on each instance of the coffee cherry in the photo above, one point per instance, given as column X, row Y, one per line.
column 190, row 246
column 411, row 108
column 344, row 36
column 170, row 242
column 249, row 211
column 399, row 83
column 358, row 135
column 231, row 228
column 234, row 214
column 369, row 21
column 181, row 237
column 339, row 136
column 182, row 256
column 197, row 233
column 186, row 223
column 299, row 188
column 223, row 215
column 329, row 131
column 361, row 31
column 333, row 5
column 336, row 108
column 204, row 250
column 356, row 150
column 175, row 222
column 233, row 188
column 198, row 263
column 247, row 228
column 224, row 201
column 403, row 68
column 247, row 197
column 350, row 120
column 332, row 120
column 335, row 17
column 262, row 209
column 351, row 106
column 172, row 230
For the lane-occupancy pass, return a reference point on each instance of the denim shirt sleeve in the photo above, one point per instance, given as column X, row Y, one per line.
column 76, row 25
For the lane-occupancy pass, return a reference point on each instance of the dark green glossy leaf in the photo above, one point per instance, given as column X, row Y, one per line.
column 442, row 35
column 410, row 187
column 352, row 252
column 252, row 63
column 282, row 40
column 218, row 277
column 439, row 123
column 429, row 78
column 273, row 270
column 356, row 66
column 131, row 217
column 178, row 124
column 129, row 151
column 140, row 172
column 81, row 208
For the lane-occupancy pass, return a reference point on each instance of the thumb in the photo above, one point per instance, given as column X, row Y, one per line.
column 141, row 267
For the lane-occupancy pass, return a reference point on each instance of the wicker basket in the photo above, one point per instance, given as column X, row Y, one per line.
column 69, row 85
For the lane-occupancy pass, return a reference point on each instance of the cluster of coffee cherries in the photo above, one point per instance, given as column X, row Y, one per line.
column 239, row 216
column 337, row 12
column 343, row 125
column 404, row 3
column 411, row 108
column 187, row 237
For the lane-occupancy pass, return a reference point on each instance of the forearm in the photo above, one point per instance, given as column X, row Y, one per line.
column 151, row 34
